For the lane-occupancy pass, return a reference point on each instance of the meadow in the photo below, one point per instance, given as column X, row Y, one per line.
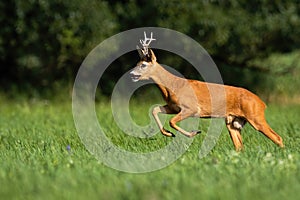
column 42, row 157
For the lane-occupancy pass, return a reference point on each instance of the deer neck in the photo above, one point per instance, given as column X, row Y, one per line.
column 162, row 77
column 166, row 82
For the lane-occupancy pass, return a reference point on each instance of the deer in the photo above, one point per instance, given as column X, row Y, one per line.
column 191, row 98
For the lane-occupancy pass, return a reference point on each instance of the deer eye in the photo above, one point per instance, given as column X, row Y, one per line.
column 143, row 65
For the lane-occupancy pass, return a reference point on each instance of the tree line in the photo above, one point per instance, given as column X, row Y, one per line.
column 42, row 43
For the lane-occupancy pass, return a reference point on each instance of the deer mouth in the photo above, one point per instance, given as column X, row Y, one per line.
column 134, row 77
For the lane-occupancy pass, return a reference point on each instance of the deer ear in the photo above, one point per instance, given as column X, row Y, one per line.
column 140, row 51
column 152, row 56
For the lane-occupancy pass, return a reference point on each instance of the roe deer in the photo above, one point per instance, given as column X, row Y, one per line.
column 191, row 98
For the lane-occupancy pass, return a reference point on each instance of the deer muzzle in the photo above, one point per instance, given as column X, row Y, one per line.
column 134, row 76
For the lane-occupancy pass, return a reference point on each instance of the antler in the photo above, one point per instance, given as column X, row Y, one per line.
column 146, row 42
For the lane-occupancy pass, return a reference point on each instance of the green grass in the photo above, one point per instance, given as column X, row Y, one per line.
column 35, row 162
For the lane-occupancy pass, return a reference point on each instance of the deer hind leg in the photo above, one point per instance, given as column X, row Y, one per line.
column 260, row 124
column 165, row 110
column 234, row 126
column 179, row 117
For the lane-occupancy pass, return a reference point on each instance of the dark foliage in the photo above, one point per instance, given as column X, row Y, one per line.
column 42, row 43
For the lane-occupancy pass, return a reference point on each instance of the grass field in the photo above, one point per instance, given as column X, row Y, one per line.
column 42, row 157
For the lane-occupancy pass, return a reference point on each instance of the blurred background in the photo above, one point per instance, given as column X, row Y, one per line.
column 255, row 44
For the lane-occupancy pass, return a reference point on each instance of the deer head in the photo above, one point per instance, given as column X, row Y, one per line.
column 146, row 65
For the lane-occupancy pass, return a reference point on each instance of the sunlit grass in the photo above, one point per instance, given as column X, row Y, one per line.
column 42, row 157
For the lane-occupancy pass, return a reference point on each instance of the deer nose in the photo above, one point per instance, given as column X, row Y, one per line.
column 134, row 76
column 132, row 72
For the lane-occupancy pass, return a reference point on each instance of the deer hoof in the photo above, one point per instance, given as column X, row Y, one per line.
column 167, row 133
column 192, row 133
column 195, row 132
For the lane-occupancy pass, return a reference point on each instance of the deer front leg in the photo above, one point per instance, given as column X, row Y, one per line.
column 165, row 110
column 179, row 117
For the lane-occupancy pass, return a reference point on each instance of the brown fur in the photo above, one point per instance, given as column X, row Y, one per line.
column 191, row 98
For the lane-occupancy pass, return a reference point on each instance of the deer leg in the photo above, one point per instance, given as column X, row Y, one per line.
column 165, row 110
column 234, row 126
column 262, row 126
column 179, row 117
